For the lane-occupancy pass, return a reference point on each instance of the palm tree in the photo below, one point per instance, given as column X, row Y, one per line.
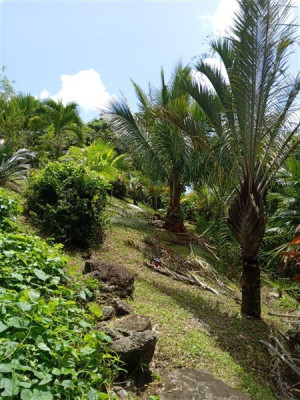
column 248, row 99
column 13, row 166
column 159, row 148
column 20, row 122
column 64, row 123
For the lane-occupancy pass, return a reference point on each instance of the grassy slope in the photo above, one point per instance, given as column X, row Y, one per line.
column 196, row 328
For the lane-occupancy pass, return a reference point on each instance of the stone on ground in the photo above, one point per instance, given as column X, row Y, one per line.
column 135, row 349
column 133, row 323
column 192, row 384
column 115, row 278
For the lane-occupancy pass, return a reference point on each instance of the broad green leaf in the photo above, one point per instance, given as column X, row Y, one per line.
column 82, row 295
column 17, row 276
column 66, row 383
column 85, row 324
column 8, row 253
column 26, row 394
column 24, row 306
column 40, row 395
column 41, row 274
column 43, row 346
column 17, row 322
column 10, row 387
column 101, row 396
column 34, row 295
column 5, row 368
column 87, row 350
column 3, row 327
column 56, row 371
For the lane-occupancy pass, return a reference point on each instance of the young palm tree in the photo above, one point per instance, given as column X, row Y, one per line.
column 64, row 123
column 19, row 119
column 13, row 166
column 248, row 99
column 160, row 149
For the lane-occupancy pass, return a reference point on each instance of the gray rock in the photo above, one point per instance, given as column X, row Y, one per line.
column 121, row 307
column 192, row 384
column 116, row 279
column 120, row 393
column 132, row 323
column 108, row 330
column 135, row 349
column 108, row 312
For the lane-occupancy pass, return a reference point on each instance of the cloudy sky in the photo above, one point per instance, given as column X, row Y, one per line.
column 87, row 50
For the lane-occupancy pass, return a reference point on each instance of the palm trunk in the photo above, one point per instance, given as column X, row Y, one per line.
column 134, row 198
column 247, row 223
column 251, row 288
column 174, row 219
column 155, row 202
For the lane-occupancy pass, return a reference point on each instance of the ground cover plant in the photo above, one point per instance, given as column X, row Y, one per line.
column 48, row 349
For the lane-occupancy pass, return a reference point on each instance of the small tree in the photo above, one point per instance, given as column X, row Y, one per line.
column 63, row 125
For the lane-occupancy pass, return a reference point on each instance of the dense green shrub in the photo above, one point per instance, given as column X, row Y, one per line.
column 119, row 189
column 48, row 348
column 67, row 201
column 9, row 209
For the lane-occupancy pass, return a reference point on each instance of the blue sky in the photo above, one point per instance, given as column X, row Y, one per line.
column 90, row 49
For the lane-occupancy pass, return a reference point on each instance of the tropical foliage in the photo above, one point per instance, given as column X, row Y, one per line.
column 159, row 148
column 100, row 157
column 67, row 201
column 47, row 347
column 13, row 166
column 249, row 105
column 63, row 126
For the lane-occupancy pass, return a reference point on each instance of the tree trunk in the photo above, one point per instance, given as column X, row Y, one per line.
column 155, row 202
column 251, row 288
column 247, row 222
column 134, row 198
column 174, row 219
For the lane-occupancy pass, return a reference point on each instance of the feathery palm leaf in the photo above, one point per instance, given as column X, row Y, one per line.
column 13, row 166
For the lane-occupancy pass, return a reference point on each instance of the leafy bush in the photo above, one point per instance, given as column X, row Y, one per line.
column 47, row 347
column 67, row 201
column 191, row 206
column 9, row 209
column 119, row 189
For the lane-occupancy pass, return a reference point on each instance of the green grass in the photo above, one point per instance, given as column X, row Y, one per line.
column 195, row 328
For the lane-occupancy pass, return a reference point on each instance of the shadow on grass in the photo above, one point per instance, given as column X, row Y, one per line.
column 238, row 336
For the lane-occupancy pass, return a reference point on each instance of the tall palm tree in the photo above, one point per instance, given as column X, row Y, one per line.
column 248, row 99
column 64, row 123
column 159, row 148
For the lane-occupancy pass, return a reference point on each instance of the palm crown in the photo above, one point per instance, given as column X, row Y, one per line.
column 160, row 148
column 248, row 105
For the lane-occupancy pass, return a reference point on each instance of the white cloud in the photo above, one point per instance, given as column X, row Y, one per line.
column 85, row 88
column 44, row 94
column 222, row 18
